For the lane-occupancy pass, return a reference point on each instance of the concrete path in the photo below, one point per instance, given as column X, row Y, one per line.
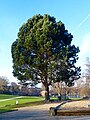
column 11, row 98
column 40, row 112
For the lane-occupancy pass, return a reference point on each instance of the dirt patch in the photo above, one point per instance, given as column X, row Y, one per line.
column 40, row 107
column 74, row 108
column 76, row 104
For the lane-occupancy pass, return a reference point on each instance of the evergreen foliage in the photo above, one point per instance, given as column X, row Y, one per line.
column 43, row 53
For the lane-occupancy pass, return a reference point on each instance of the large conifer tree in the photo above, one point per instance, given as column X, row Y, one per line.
column 43, row 53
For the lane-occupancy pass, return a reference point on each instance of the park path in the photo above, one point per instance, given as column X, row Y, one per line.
column 11, row 98
column 40, row 112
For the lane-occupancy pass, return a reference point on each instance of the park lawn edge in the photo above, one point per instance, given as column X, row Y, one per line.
column 10, row 108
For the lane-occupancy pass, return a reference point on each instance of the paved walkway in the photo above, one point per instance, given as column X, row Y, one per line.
column 40, row 112
column 11, row 98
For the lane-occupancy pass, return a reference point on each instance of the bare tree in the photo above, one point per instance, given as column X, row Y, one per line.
column 3, row 84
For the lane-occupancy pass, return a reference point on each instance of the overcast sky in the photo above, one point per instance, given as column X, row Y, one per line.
column 75, row 14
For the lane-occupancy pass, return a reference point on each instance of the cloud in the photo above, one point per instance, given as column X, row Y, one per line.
column 85, row 46
column 84, row 51
column 8, row 74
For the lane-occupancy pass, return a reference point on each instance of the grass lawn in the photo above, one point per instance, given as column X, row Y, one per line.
column 75, row 98
column 4, row 96
column 23, row 101
column 8, row 105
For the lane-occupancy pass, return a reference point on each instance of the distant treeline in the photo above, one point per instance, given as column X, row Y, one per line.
column 15, row 89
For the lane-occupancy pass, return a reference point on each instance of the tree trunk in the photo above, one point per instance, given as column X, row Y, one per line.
column 60, row 90
column 47, row 98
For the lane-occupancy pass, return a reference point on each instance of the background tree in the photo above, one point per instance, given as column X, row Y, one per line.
column 87, row 72
column 14, row 88
column 85, row 87
column 43, row 53
column 3, row 84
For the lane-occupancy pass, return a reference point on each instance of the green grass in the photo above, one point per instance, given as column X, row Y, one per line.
column 75, row 98
column 14, row 107
column 24, row 101
column 4, row 96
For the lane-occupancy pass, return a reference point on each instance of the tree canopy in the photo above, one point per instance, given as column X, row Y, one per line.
column 43, row 53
